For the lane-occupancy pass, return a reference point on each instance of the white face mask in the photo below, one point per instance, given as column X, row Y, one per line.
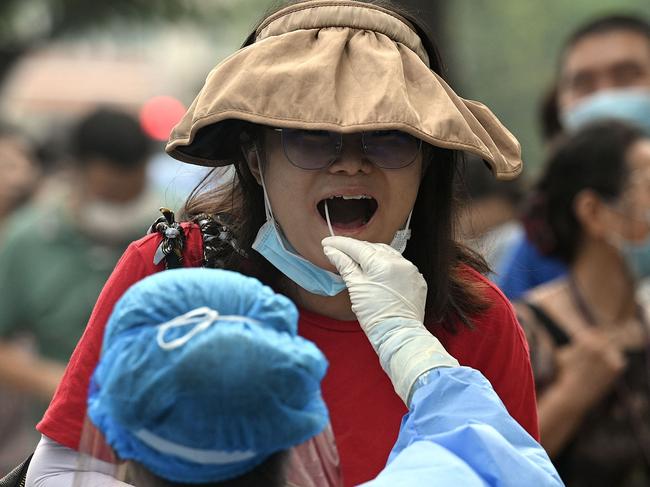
column 112, row 222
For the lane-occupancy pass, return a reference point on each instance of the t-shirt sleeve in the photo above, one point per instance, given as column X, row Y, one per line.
column 63, row 421
column 498, row 348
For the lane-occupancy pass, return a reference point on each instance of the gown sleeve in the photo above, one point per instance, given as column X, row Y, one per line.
column 458, row 432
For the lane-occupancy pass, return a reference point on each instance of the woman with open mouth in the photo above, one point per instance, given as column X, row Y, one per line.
column 332, row 119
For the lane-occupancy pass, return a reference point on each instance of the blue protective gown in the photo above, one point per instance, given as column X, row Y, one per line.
column 458, row 433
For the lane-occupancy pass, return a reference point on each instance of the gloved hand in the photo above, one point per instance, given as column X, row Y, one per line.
column 388, row 296
column 382, row 283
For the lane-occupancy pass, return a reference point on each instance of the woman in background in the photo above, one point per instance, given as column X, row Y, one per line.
column 588, row 334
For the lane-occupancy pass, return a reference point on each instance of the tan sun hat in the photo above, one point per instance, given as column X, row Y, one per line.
column 344, row 66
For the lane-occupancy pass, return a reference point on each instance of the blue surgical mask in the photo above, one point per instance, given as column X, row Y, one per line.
column 630, row 105
column 272, row 244
column 636, row 256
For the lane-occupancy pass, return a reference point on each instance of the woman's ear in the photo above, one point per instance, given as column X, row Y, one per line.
column 251, row 154
column 590, row 211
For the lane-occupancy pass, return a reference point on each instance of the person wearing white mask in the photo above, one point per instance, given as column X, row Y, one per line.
column 604, row 72
column 336, row 120
column 589, row 335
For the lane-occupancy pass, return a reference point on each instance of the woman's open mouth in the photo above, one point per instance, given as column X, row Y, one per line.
column 347, row 212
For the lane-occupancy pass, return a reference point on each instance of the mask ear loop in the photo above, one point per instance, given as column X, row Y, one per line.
column 407, row 227
column 267, row 203
column 401, row 237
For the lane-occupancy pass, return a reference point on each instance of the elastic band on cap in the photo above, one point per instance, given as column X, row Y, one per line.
column 200, row 319
column 194, row 455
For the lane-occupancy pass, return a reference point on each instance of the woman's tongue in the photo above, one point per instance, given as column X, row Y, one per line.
column 347, row 214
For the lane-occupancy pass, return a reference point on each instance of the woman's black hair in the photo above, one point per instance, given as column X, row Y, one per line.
column 454, row 296
column 594, row 158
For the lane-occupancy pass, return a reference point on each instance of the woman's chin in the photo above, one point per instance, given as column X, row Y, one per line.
column 322, row 262
column 327, row 265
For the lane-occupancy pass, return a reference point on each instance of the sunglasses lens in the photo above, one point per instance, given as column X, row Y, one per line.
column 317, row 149
column 310, row 149
column 391, row 149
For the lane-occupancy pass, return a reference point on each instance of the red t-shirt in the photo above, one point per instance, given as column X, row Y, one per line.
column 365, row 411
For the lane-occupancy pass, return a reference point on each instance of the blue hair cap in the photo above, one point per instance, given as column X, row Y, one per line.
column 202, row 376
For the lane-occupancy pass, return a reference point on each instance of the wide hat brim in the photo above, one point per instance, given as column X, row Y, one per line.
column 337, row 65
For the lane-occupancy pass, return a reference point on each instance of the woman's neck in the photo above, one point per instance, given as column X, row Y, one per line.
column 337, row 307
column 604, row 284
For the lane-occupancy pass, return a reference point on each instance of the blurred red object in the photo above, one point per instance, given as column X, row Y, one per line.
column 159, row 115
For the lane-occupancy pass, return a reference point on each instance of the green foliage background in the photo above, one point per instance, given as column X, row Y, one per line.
column 504, row 53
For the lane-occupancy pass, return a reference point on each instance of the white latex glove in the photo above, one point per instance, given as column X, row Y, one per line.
column 382, row 283
column 388, row 295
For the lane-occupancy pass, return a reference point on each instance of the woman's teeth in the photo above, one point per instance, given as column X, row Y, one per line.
column 352, row 197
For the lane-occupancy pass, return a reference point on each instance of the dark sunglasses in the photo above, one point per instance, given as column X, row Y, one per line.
column 318, row 149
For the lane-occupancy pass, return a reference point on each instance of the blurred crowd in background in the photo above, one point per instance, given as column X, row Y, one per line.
column 87, row 101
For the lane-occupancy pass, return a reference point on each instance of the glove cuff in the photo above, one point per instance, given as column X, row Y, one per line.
column 406, row 350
